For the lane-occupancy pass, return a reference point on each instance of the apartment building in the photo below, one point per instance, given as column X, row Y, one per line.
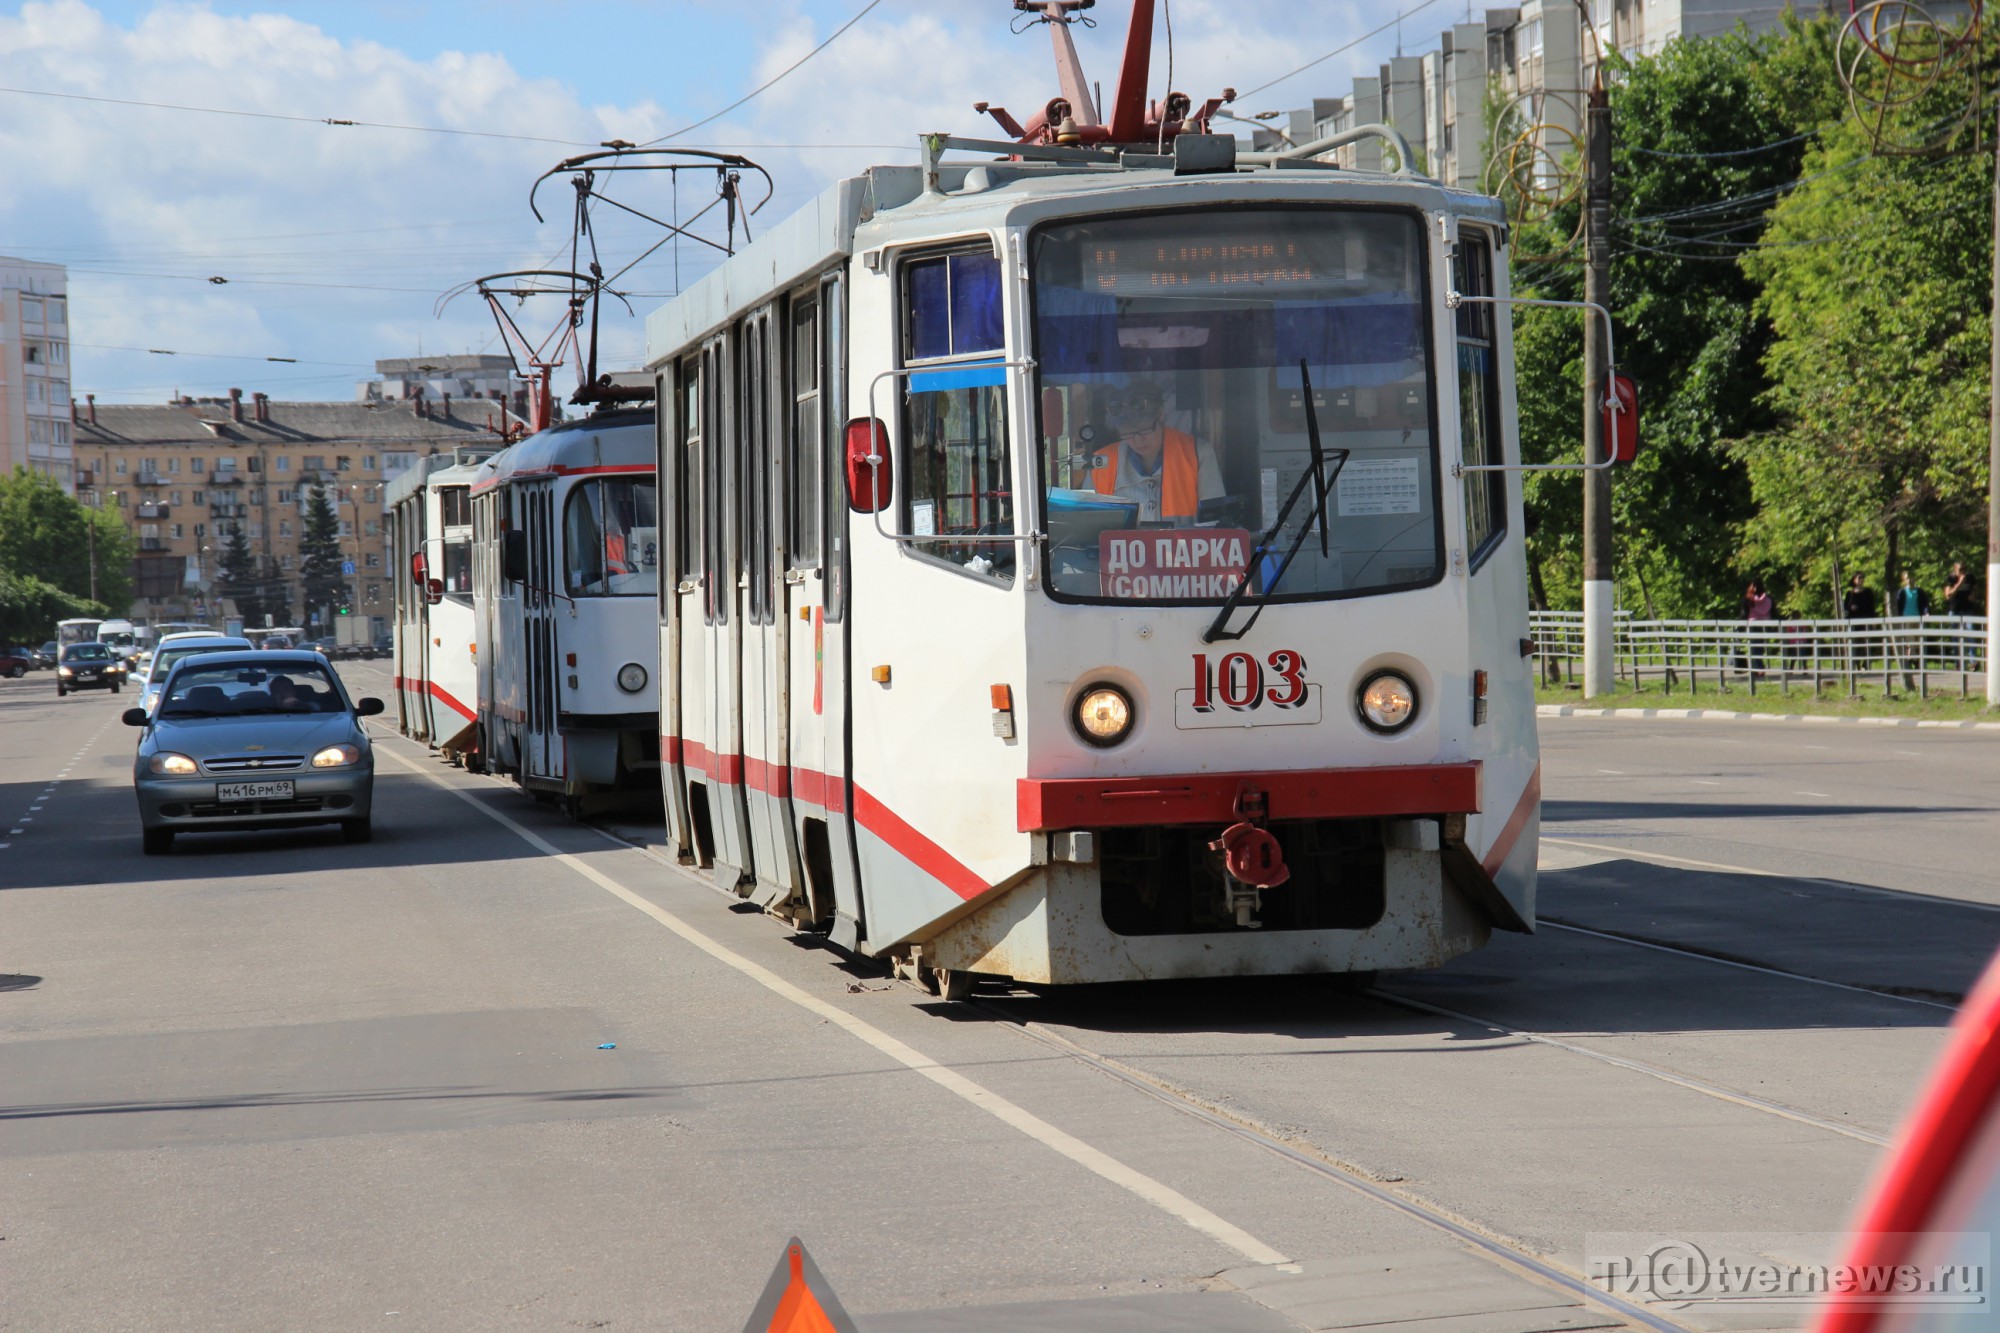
column 1527, row 66
column 182, row 473
column 34, row 369
column 433, row 377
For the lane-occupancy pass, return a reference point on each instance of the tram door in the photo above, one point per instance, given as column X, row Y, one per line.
column 766, row 769
column 810, row 607
column 679, row 472
column 541, row 738
column 722, row 614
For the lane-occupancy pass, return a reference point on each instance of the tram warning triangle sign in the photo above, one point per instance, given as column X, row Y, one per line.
column 797, row 1298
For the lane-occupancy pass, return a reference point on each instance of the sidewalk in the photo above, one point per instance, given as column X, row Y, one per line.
column 1572, row 710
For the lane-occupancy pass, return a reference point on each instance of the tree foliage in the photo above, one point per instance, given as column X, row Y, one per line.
column 31, row 607
column 45, row 535
column 319, row 555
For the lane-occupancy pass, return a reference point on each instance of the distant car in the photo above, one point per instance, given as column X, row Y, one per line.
column 49, row 651
column 276, row 642
column 324, row 647
column 253, row 739
column 89, row 666
column 175, row 647
column 142, row 664
column 384, row 646
column 16, row 662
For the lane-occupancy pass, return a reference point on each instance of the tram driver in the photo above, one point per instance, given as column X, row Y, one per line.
column 1166, row 472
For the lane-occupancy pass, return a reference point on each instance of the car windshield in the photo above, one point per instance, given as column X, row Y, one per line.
column 163, row 662
column 86, row 652
column 1174, row 353
column 250, row 689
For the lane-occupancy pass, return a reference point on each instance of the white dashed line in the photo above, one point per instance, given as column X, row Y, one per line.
column 1822, row 795
column 1704, row 782
column 1614, row 772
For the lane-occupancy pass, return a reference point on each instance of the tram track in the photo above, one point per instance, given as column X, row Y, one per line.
column 1508, row 1254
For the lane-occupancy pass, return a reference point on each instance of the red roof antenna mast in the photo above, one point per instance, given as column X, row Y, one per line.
column 1073, row 117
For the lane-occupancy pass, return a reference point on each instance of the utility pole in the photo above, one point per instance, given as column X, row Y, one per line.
column 1598, row 627
column 90, row 524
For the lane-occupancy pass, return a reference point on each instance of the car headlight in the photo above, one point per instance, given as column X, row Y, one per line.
column 631, row 678
column 337, row 756
column 1387, row 701
column 1103, row 715
column 177, row 764
column 65, row 671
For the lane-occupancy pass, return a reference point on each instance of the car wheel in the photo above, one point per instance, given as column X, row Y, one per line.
column 159, row 841
column 115, row 687
column 357, row 830
column 17, row 671
column 61, row 690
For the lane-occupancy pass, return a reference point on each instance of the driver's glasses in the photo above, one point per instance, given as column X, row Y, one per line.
column 1132, row 407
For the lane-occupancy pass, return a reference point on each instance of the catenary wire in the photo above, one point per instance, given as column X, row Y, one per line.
column 1338, row 50
column 863, row 13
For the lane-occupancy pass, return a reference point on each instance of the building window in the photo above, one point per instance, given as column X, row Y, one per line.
column 58, row 354
column 284, row 527
column 367, row 462
column 197, row 465
column 256, row 529
column 31, row 352
column 285, row 563
column 175, row 532
column 199, row 497
column 314, row 463
column 371, row 528
column 374, row 560
column 256, row 463
column 374, row 592
column 174, row 498
column 287, row 494
column 58, row 311
column 284, row 464
column 173, row 466
column 225, row 463
column 201, row 530
column 118, row 467
column 343, row 463
column 346, row 529
column 31, row 310
column 256, row 497
column 38, row 390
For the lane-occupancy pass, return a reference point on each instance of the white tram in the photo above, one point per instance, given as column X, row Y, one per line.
column 430, row 508
column 1067, row 578
column 565, row 575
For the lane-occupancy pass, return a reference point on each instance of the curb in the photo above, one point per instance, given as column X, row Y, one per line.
column 1570, row 710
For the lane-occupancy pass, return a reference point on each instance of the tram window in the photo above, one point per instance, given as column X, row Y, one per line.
column 832, row 413
column 1174, row 352
column 687, row 498
column 803, row 470
column 959, row 475
column 1479, row 398
column 953, row 305
column 455, row 506
column 458, row 564
column 611, row 533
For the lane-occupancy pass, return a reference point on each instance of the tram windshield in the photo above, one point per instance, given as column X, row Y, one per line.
column 612, row 534
column 1169, row 351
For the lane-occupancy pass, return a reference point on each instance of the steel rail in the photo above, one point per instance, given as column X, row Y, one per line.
column 1503, row 1253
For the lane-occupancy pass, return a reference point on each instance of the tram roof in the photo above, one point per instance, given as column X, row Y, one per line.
column 433, row 468
column 983, row 196
column 616, row 440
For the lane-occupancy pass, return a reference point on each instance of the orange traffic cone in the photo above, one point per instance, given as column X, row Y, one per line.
column 797, row 1298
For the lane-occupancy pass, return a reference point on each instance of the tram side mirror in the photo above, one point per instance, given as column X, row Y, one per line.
column 870, row 474
column 1621, row 424
column 514, row 555
column 419, row 569
column 433, row 591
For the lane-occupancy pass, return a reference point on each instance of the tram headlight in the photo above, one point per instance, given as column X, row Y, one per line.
column 1386, row 701
column 1103, row 715
column 631, row 678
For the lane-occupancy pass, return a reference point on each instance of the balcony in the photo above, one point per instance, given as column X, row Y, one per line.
column 85, row 479
column 152, row 543
column 148, row 479
column 150, row 511
column 228, row 478
column 228, row 511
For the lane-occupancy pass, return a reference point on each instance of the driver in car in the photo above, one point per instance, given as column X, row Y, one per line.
column 286, row 696
column 1166, row 472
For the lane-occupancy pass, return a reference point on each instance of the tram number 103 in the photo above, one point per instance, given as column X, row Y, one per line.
column 1239, row 681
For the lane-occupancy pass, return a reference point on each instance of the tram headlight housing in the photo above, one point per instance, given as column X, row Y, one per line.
column 631, row 678
column 1103, row 715
column 1386, row 702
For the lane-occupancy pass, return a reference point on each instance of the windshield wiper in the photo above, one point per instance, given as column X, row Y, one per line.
column 1322, row 483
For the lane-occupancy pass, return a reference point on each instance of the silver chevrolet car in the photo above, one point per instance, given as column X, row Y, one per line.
column 249, row 739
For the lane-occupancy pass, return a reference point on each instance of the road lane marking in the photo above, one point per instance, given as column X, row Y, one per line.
column 1704, row 782
column 1822, row 795
column 1161, row 1196
column 1616, row 773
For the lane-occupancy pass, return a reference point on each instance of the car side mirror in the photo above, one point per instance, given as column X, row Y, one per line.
column 514, row 555
column 134, row 717
column 367, row 707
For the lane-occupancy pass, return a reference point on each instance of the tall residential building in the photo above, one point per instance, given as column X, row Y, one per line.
column 182, row 474
column 34, row 369
column 441, row 377
column 1527, row 67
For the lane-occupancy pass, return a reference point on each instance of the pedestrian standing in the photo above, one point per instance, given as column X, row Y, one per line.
column 1909, row 602
column 1958, row 590
column 1858, row 602
column 1758, row 609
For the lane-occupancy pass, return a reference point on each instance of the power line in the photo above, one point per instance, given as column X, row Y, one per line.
column 215, row 356
column 1338, row 50
column 1725, row 153
column 773, row 79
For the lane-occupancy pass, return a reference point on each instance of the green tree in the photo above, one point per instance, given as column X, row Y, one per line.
column 1706, row 135
column 239, row 579
column 1876, row 286
column 45, row 534
column 319, row 555
column 30, row 608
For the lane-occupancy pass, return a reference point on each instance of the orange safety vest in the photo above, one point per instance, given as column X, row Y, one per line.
column 1180, row 475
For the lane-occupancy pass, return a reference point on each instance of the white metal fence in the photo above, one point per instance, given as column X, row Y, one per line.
column 1921, row 654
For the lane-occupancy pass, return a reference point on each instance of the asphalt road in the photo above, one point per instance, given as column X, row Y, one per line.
column 499, row 1070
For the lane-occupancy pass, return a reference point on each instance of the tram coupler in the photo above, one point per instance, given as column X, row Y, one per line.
column 1253, row 859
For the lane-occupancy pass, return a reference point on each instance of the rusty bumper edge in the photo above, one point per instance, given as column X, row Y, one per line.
column 1212, row 798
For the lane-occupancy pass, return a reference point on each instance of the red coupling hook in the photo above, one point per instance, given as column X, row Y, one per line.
column 1252, row 856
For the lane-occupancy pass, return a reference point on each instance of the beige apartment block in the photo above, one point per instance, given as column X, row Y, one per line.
column 182, row 473
column 34, row 369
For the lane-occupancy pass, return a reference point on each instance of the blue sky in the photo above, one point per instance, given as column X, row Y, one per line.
column 336, row 242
